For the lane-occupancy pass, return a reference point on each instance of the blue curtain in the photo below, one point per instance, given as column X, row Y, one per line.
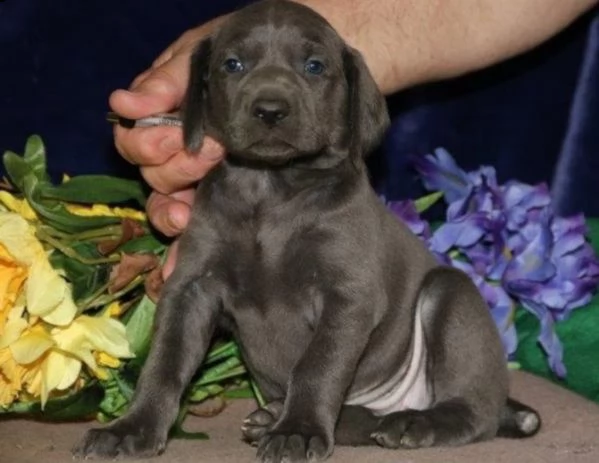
column 534, row 117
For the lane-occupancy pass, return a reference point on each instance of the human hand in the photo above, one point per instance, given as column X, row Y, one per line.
column 159, row 151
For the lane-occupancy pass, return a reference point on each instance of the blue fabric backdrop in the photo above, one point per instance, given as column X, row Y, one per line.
column 534, row 118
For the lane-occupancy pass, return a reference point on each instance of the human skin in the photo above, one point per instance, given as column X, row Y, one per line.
column 404, row 42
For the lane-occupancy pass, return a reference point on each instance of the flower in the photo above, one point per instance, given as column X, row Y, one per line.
column 439, row 172
column 102, row 210
column 47, row 294
column 20, row 206
column 60, row 323
column 524, row 203
column 407, row 213
column 57, row 354
column 555, row 273
column 43, row 344
column 507, row 238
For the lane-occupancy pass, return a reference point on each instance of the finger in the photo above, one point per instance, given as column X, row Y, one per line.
column 148, row 146
column 160, row 90
column 171, row 258
column 170, row 213
column 156, row 90
column 140, row 78
column 182, row 170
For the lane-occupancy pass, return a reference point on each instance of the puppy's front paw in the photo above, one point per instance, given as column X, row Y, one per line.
column 122, row 440
column 259, row 422
column 409, row 429
column 278, row 447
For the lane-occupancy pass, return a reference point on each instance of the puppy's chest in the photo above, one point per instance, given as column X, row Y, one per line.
column 267, row 265
column 271, row 299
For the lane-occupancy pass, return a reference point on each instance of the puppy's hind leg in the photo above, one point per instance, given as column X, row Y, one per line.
column 466, row 369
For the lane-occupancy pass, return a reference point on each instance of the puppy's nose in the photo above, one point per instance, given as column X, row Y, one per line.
column 271, row 112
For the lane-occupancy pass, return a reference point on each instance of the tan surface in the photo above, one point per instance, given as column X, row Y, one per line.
column 570, row 434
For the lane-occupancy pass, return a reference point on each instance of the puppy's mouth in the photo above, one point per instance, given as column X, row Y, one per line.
column 269, row 150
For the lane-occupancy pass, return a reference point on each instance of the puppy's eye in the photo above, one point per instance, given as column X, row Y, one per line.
column 233, row 65
column 314, row 66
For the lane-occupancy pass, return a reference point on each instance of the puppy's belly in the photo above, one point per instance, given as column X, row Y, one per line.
column 408, row 388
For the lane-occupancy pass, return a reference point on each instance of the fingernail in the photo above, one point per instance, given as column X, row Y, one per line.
column 170, row 144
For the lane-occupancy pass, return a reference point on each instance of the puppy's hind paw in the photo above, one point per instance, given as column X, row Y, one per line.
column 292, row 448
column 260, row 421
column 407, row 430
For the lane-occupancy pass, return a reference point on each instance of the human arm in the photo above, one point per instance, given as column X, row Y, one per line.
column 405, row 42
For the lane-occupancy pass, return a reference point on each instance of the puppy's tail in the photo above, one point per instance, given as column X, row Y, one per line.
column 518, row 421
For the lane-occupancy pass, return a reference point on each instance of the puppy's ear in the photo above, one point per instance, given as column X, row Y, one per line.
column 193, row 110
column 367, row 108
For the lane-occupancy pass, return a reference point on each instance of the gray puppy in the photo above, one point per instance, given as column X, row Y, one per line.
column 353, row 332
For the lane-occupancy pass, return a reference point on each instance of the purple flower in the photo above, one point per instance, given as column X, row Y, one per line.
column 524, row 203
column 554, row 273
column 407, row 213
column 507, row 239
column 476, row 217
column 439, row 172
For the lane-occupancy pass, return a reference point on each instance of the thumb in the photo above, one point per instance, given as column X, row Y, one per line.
column 160, row 89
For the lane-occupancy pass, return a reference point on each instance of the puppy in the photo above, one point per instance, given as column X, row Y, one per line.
column 351, row 329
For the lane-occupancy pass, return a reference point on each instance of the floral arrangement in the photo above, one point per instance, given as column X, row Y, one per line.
column 509, row 241
column 79, row 278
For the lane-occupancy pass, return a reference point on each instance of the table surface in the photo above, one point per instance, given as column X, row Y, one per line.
column 570, row 434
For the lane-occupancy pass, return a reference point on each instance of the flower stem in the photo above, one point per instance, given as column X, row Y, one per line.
column 257, row 394
column 110, row 231
column 97, row 299
column 225, row 350
column 237, row 371
column 45, row 237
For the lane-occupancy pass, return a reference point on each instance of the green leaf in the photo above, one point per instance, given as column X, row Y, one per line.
column 85, row 279
column 177, row 432
column 230, row 368
column 145, row 243
column 104, row 190
column 140, row 328
column 222, row 351
column 241, row 393
column 257, row 393
column 17, row 168
column 202, row 393
column 424, row 203
column 81, row 404
column 35, row 157
column 56, row 215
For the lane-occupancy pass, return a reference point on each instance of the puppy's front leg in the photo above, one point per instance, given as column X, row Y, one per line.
column 185, row 320
column 318, row 384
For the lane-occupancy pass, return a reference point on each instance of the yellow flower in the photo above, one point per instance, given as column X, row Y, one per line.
column 12, row 277
column 104, row 211
column 114, row 309
column 20, row 206
column 47, row 294
column 12, row 375
column 108, row 360
column 11, row 378
column 51, row 359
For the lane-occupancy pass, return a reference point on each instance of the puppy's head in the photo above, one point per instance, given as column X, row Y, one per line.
column 276, row 83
